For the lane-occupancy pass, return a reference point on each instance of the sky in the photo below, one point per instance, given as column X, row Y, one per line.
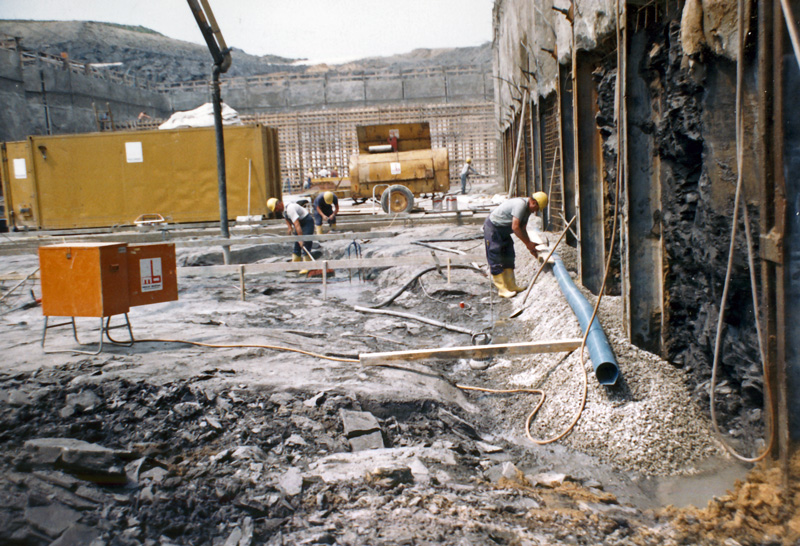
column 319, row 30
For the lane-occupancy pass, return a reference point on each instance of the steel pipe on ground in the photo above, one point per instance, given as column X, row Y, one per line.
column 605, row 364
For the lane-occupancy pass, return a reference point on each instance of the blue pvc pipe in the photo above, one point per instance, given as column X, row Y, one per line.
column 605, row 364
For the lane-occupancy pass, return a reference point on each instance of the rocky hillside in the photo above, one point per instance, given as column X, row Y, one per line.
column 149, row 54
column 140, row 50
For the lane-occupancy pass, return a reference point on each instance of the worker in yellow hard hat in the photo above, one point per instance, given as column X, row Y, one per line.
column 509, row 217
column 299, row 221
column 465, row 172
column 326, row 207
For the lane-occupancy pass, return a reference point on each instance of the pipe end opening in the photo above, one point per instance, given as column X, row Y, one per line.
column 607, row 373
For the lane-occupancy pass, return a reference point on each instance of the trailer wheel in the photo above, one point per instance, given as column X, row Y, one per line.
column 396, row 199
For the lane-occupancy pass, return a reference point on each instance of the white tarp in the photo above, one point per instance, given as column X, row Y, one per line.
column 202, row 116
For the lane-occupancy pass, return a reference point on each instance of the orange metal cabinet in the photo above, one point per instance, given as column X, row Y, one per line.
column 84, row 279
column 152, row 276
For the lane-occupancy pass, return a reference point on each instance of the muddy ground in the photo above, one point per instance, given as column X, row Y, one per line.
column 252, row 444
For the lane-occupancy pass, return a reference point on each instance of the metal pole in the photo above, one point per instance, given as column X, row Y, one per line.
column 46, row 107
column 221, row 182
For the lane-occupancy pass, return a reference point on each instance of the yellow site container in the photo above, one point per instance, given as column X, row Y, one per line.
column 107, row 179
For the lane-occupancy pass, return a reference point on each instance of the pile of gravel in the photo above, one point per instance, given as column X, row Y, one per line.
column 647, row 422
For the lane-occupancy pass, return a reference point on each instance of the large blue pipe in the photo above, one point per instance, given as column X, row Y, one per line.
column 605, row 364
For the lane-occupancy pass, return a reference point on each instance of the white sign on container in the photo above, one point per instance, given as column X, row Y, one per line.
column 150, row 273
column 133, row 151
column 20, row 171
column 395, row 167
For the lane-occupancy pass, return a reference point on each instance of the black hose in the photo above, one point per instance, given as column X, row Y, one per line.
column 414, row 279
column 461, row 239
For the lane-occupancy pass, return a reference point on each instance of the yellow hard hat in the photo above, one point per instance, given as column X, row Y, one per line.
column 328, row 197
column 469, row 160
column 271, row 202
column 541, row 198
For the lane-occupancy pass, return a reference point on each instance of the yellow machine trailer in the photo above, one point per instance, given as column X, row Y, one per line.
column 126, row 178
column 396, row 163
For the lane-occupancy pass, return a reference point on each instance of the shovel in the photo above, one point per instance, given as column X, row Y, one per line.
column 315, row 272
column 521, row 308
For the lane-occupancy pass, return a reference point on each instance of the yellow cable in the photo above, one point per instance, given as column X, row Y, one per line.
column 585, row 389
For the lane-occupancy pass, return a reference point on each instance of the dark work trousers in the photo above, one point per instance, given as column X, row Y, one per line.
column 328, row 210
column 499, row 247
column 307, row 225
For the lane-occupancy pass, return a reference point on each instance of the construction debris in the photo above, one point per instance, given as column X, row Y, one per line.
column 177, row 444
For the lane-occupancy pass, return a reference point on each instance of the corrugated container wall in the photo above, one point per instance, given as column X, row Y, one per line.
column 107, row 179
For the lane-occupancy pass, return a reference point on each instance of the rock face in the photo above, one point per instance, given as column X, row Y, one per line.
column 154, row 56
column 142, row 51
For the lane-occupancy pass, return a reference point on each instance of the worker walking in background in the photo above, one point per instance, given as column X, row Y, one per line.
column 465, row 172
column 510, row 217
column 326, row 207
column 299, row 222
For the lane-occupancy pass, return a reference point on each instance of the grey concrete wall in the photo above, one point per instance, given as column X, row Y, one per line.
column 380, row 90
column 279, row 93
column 67, row 99
column 424, row 88
column 14, row 113
column 348, row 91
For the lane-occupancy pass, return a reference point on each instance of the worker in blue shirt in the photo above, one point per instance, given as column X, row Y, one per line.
column 325, row 208
column 510, row 217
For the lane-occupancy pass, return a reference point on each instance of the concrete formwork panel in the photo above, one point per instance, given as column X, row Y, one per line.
column 348, row 91
column 189, row 100
column 306, row 93
column 467, row 84
column 424, row 88
column 273, row 96
column 384, row 90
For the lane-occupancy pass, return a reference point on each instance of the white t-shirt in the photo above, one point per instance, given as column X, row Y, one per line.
column 504, row 214
column 294, row 212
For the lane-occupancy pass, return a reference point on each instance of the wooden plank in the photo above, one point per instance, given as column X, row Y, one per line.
column 281, row 239
column 365, row 263
column 30, row 245
column 473, row 351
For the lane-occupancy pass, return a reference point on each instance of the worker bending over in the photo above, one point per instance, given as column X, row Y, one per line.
column 465, row 172
column 510, row 217
column 326, row 207
column 299, row 221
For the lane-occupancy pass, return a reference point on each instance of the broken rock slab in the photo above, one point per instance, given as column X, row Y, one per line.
column 373, row 440
column 91, row 462
column 340, row 467
column 362, row 430
column 390, row 477
column 51, row 520
column 291, row 482
column 79, row 535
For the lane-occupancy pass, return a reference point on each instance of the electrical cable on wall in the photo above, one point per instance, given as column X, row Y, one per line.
column 729, row 269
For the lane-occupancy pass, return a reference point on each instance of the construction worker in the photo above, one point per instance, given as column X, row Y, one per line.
column 465, row 172
column 510, row 217
column 325, row 208
column 298, row 221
